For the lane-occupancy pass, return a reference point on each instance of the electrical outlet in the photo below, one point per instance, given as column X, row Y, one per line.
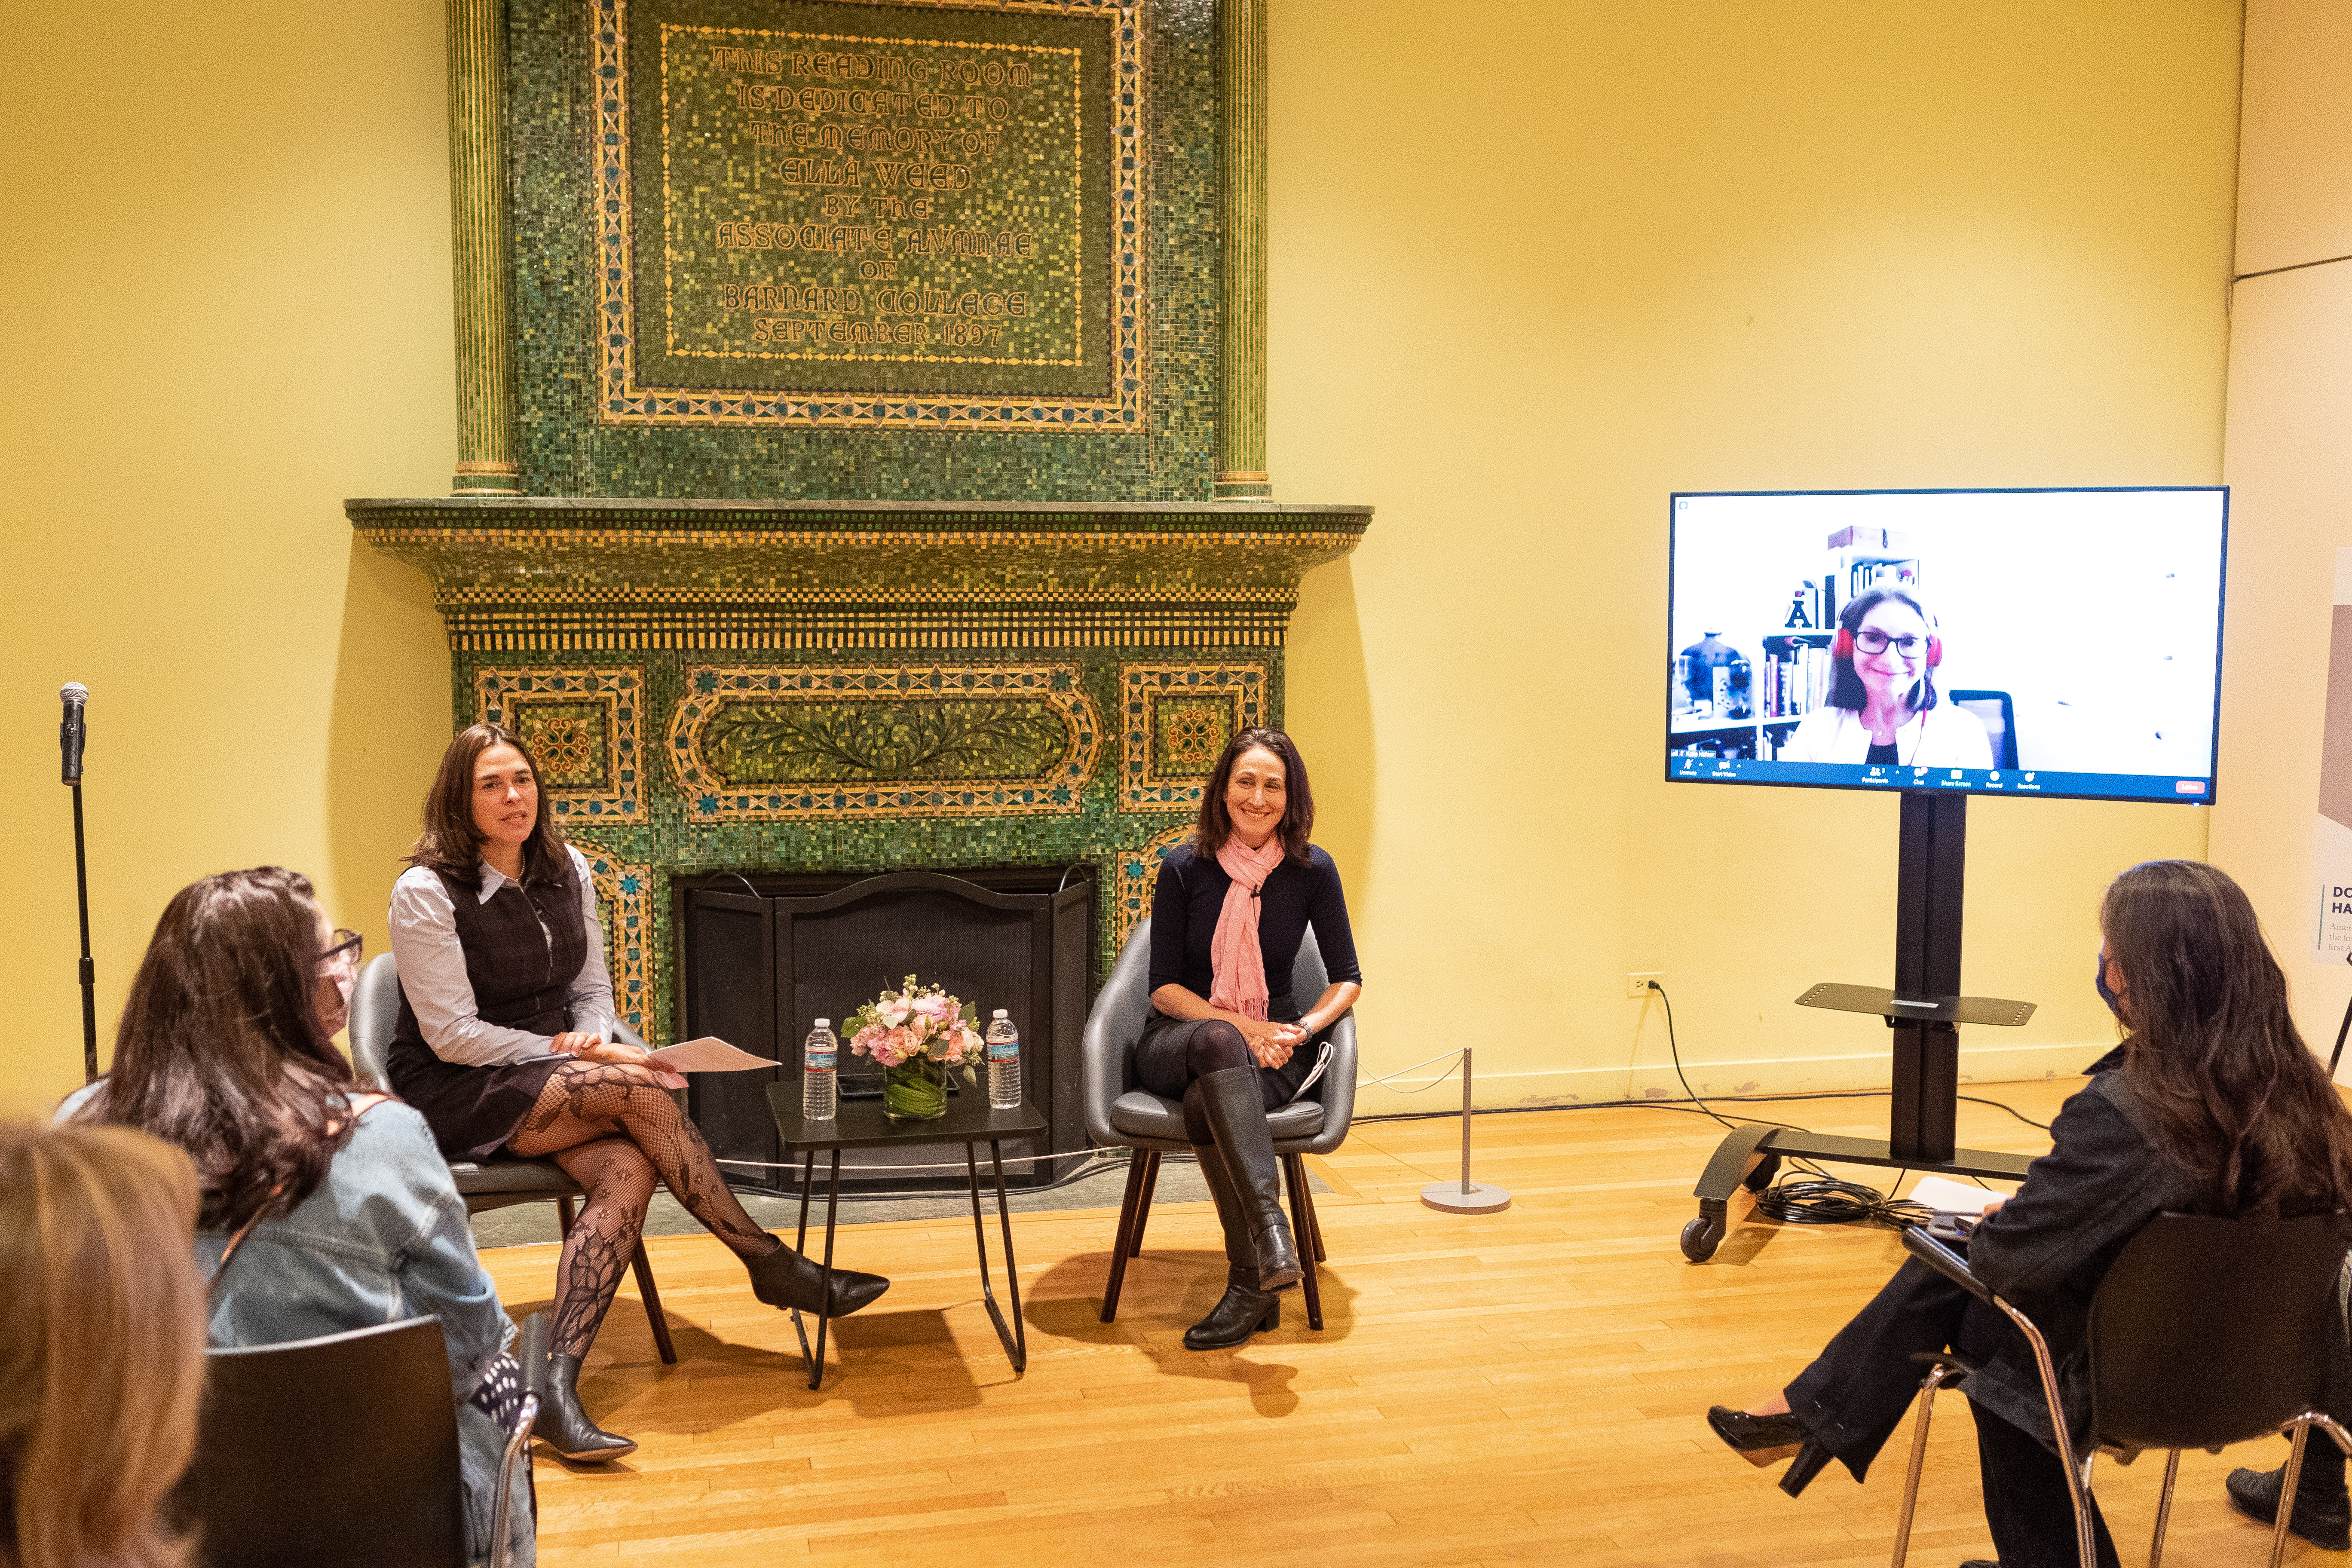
column 1638, row 983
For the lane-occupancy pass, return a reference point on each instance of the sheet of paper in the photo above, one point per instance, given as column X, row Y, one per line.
column 1948, row 1197
column 708, row 1054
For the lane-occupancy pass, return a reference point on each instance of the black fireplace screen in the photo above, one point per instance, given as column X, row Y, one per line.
column 761, row 956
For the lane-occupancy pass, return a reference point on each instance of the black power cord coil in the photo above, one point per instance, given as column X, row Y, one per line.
column 1825, row 1200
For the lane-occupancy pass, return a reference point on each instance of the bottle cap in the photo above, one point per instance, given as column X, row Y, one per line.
column 998, row 1014
column 825, row 1023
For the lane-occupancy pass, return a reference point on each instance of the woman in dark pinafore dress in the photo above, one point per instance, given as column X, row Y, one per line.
column 505, row 1014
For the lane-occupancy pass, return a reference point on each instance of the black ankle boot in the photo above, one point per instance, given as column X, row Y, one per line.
column 1242, row 1311
column 786, row 1278
column 1237, row 1118
column 563, row 1426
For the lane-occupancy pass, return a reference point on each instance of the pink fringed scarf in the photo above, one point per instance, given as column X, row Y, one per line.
column 1237, row 966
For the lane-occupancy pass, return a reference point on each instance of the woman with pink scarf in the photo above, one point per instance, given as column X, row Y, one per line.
column 1227, row 918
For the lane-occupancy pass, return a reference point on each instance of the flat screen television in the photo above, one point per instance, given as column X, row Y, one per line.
column 2022, row 642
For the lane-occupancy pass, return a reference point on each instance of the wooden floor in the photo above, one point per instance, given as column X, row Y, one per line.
column 1521, row 1387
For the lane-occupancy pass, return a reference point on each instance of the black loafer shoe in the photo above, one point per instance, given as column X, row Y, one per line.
column 2255, row 1494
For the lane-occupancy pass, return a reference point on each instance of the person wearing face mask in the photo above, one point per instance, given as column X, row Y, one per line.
column 503, row 1042
column 1884, row 707
column 1225, row 1037
column 323, row 1207
column 2210, row 1105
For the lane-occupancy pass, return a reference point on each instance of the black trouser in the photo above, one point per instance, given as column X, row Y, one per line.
column 1856, row 1393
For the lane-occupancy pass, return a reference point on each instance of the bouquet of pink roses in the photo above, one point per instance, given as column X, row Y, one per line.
column 917, row 1020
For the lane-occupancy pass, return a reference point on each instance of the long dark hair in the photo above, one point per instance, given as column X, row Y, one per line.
column 222, row 1051
column 450, row 844
column 2233, row 1096
column 1216, row 823
column 1847, row 688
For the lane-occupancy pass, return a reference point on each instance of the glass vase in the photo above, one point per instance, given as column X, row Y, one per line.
column 914, row 1090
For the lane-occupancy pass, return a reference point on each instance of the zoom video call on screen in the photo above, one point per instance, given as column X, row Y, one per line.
column 1998, row 642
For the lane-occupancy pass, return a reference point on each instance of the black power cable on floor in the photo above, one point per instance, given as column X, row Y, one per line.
column 1819, row 1198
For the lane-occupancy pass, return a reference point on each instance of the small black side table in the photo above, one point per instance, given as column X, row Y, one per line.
column 860, row 1124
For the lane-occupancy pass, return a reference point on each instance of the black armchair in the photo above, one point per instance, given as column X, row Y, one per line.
column 2203, row 1333
column 340, row 1452
column 1121, row 1113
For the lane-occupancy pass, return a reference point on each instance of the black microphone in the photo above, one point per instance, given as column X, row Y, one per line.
column 72, row 733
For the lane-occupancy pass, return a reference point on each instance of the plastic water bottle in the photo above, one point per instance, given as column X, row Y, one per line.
column 1003, row 1063
column 818, row 1056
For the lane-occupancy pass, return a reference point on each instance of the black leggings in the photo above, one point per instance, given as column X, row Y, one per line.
column 1175, row 1054
column 1853, row 1396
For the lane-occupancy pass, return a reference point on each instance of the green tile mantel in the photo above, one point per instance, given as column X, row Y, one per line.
column 683, row 574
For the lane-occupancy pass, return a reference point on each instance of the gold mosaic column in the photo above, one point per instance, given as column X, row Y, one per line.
column 477, row 221
column 1241, row 411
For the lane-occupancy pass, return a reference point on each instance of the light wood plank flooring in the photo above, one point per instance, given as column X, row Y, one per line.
column 1523, row 1387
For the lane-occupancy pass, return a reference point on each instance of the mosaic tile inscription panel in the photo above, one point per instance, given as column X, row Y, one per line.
column 888, row 213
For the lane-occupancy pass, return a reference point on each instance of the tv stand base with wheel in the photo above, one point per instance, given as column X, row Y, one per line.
column 1750, row 1157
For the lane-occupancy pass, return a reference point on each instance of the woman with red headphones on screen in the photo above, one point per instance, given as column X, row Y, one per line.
column 1884, row 707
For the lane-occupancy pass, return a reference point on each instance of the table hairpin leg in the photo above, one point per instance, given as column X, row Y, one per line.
column 1014, row 1340
column 816, row 1359
column 800, row 1244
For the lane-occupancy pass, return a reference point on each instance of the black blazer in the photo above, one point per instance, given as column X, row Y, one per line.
column 2045, row 1250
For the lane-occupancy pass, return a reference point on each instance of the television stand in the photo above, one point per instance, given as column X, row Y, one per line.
column 1924, row 1012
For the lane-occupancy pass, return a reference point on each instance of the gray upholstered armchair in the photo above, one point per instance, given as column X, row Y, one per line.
column 1120, row 1113
column 493, row 1184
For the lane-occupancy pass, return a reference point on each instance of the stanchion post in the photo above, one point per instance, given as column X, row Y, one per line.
column 1469, row 1197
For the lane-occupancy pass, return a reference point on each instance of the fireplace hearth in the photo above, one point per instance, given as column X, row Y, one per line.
column 761, row 955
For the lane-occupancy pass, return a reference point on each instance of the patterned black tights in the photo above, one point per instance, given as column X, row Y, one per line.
column 613, row 1134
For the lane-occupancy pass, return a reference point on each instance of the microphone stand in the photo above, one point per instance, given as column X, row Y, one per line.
column 89, row 971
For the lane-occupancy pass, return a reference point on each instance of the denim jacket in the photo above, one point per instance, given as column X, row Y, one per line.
column 382, row 1238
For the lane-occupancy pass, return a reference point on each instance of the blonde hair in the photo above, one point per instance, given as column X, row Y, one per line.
column 102, row 1362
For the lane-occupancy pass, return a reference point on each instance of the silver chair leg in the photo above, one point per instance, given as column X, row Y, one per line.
column 2163, row 1508
column 1934, row 1380
column 517, row 1447
column 2287, row 1492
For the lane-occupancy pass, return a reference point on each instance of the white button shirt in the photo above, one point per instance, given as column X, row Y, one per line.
column 432, row 971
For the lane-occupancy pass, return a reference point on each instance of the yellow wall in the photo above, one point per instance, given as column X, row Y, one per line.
column 1540, row 263
column 227, row 262
column 2291, row 475
column 1536, row 265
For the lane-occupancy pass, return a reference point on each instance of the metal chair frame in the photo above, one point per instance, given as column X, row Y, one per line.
column 1945, row 1369
column 1109, row 1039
column 501, row 1182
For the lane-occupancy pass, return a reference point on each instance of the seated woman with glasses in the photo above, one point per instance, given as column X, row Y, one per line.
column 324, row 1208
column 506, row 1011
column 1884, row 706
column 104, row 1359
column 2211, row 1105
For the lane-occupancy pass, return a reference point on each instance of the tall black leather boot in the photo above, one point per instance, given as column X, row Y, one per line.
column 787, row 1278
column 1243, row 1309
column 1237, row 1118
column 563, row 1426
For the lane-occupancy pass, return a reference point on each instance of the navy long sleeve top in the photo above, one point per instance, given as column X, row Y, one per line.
column 1190, row 892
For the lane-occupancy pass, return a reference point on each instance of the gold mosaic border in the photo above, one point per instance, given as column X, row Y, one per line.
column 624, row 897
column 1135, row 875
column 710, row 799
column 615, row 689
column 621, row 401
column 1142, row 786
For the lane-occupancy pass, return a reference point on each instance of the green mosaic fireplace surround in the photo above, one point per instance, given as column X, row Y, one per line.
column 854, row 686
